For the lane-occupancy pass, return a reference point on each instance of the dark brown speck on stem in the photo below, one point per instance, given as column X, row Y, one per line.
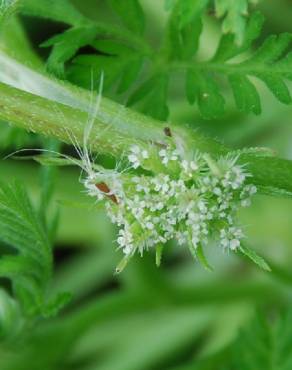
column 167, row 131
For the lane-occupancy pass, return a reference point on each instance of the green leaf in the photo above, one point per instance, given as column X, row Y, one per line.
column 131, row 13
column 264, row 344
column 184, row 29
column 29, row 266
column 7, row 8
column 83, row 33
column 271, row 63
column 65, row 46
column 52, row 308
column 20, row 228
column 274, row 192
column 245, row 94
column 228, row 49
column 122, row 52
column 152, row 96
column 184, row 12
column 56, row 10
column 120, row 66
column 252, row 255
column 235, row 15
column 124, row 63
column 255, row 151
column 202, row 258
column 269, row 171
column 202, row 88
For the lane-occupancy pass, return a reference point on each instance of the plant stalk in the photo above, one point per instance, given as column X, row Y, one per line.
column 62, row 111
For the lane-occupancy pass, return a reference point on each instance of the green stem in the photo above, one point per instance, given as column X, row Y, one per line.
column 117, row 127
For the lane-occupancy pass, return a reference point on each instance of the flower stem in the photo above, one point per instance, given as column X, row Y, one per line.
column 117, row 127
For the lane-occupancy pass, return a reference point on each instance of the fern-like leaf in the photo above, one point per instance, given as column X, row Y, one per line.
column 235, row 15
column 270, row 63
column 65, row 46
column 122, row 52
column 119, row 63
column 131, row 14
column 181, row 43
column 57, row 10
column 263, row 345
column 29, row 263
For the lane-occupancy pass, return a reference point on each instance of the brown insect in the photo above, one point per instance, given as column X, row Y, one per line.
column 102, row 186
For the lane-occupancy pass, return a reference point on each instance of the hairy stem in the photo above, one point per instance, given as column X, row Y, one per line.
column 61, row 111
column 115, row 126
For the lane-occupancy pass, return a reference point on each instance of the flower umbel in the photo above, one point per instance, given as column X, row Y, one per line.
column 191, row 200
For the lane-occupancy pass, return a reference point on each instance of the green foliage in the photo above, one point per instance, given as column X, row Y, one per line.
column 264, row 345
column 57, row 10
column 181, row 43
column 252, row 255
column 122, row 51
column 7, row 8
column 10, row 316
column 269, row 63
column 153, row 94
column 28, row 261
column 184, row 29
column 131, row 14
column 119, row 63
column 261, row 344
column 66, row 45
column 235, row 15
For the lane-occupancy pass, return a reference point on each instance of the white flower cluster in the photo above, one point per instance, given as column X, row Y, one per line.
column 197, row 201
column 137, row 156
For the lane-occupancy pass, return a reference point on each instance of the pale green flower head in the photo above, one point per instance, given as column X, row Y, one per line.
column 192, row 200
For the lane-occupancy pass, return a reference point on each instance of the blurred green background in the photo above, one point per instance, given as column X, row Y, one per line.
column 175, row 316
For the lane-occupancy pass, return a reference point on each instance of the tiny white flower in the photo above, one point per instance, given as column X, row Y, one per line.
column 185, row 165
column 217, row 191
column 134, row 160
column 145, row 154
column 125, row 238
column 245, row 203
column 194, row 166
column 234, row 244
column 149, row 225
column 135, row 149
